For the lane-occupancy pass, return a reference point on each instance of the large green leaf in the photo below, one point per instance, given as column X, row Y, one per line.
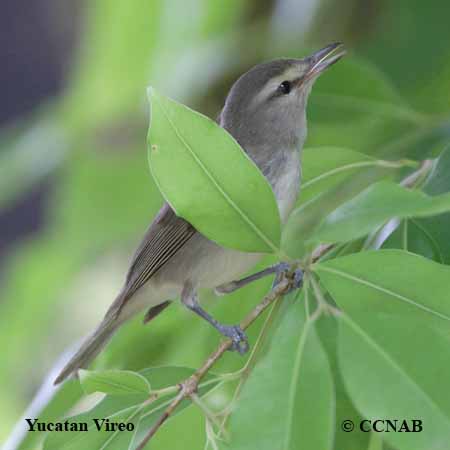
column 374, row 206
column 288, row 401
column 396, row 309
column 209, row 180
column 124, row 408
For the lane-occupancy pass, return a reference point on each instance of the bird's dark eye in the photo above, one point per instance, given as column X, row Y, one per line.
column 285, row 87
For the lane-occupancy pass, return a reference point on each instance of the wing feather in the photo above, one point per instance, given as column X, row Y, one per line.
column 165, row 236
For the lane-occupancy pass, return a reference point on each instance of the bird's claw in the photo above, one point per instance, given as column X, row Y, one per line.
column 238, row 337
column 296, row 279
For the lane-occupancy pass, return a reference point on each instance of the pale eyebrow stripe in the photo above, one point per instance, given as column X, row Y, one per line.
column 269, row 89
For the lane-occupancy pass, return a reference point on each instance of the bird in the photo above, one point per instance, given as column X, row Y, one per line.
column 265, row 112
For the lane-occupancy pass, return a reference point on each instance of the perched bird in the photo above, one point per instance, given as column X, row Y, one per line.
column 265, row 111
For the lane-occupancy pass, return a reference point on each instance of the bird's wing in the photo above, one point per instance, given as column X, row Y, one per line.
column 165, row 236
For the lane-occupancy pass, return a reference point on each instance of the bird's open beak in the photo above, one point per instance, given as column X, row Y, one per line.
column 324, row 58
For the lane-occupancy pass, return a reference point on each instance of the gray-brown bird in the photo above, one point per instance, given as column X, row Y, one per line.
column 265, row 111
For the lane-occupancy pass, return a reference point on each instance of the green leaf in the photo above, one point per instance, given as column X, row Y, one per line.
column 125, row 408
column 376, row 205
column 114, row 382
column 395, row 310
column 288, row 401
column 233, row 204
column 326, row 167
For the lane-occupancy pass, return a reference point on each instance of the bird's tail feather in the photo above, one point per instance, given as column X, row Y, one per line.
column 90, row 348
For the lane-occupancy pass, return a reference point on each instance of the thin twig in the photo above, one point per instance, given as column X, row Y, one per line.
column 189, row 386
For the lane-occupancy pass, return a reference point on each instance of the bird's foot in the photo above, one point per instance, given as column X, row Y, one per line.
column 296, row 278
column 239, row 338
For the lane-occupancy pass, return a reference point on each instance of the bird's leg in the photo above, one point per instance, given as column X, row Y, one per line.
column 279, row 269
column 232, row 286
column 234, row 332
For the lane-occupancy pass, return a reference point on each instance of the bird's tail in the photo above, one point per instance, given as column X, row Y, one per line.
column 90, row 348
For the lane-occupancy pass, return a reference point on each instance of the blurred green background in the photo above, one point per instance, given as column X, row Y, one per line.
column 75, row 190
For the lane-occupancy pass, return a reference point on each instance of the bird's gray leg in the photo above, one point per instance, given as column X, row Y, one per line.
column 234, row 332
column 237, row 284
column 279, row 269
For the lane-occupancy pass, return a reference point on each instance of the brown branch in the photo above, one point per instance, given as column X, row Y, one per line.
column 189, row 386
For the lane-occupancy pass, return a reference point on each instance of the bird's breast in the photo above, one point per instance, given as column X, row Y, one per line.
column 281, row 167
column 285, row 182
